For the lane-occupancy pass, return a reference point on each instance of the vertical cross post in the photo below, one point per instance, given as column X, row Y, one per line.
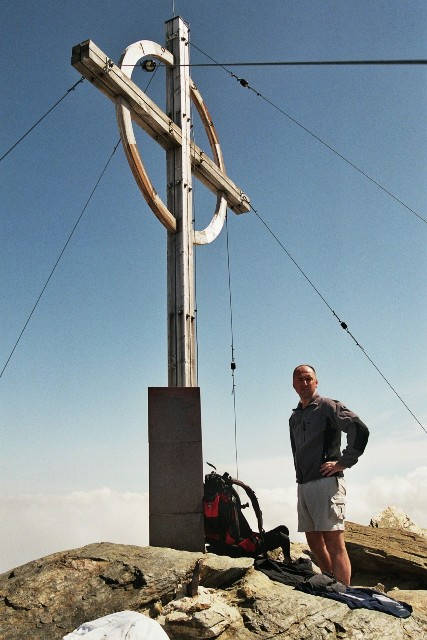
column 175, row 432
column 182, row 370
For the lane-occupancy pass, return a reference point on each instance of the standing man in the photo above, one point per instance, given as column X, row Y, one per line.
column 315, row 430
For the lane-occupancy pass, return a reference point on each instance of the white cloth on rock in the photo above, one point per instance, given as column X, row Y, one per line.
column 123, row 625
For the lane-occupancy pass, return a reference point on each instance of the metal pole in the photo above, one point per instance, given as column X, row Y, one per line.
column 180, row 267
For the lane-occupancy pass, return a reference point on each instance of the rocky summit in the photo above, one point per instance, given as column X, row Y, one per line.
column 395, row 518
column 229, row 599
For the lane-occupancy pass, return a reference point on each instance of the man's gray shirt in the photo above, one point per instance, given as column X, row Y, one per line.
column 316, row 437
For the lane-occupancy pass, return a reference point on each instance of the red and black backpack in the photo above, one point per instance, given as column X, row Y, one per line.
column 227, row 532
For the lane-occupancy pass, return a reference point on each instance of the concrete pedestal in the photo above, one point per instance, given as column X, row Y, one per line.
column 175, row 468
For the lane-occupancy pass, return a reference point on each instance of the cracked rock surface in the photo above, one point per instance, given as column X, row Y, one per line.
column 48, row 598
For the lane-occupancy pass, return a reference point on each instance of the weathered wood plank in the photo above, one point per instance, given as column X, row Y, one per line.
column 99, row 69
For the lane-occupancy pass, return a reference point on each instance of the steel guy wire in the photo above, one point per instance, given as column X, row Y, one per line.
column 58, row 259
column 76, row 224
column 233, row 362
column 343, row 325
column 341, row 322
column 40, row 120
column 307, row 63
column 246, row 84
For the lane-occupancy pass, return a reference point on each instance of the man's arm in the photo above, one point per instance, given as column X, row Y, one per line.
column 357, row 435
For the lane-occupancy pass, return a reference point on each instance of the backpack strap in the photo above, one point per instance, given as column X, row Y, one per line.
column 257, row 509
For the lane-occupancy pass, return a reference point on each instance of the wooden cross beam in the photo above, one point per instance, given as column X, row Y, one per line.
column 101, row 71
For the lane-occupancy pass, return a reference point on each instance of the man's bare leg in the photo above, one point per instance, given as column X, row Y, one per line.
column 317, row 545
column 331, row 554
column 335, row 544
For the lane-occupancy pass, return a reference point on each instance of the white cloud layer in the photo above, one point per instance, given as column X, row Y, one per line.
column 408, row 492
column 37, row 525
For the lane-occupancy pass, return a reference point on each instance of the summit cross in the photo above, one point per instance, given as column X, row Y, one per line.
column 174, row 415
column 183, row 157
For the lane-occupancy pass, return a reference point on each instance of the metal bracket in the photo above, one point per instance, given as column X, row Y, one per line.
column 172, row 36
column 109, row 65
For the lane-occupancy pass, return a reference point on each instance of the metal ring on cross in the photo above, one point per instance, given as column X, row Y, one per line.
column 131, row 56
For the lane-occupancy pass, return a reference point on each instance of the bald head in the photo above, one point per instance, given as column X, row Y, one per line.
column 305, row 382
column 304, row 365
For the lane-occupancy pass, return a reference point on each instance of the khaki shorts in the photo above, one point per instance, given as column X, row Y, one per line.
column 321, row 505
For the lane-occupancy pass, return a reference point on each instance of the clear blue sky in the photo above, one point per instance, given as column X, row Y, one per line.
column 73, row 408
